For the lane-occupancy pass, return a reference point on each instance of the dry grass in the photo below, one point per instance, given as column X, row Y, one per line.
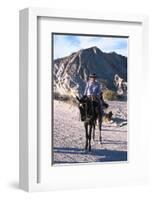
column 110, row 95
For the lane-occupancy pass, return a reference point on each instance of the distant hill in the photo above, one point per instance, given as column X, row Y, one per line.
column 71, row 72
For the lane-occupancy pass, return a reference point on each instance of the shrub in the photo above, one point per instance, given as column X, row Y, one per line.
column 109, row 95
column 56, row 95
column 60, row 97
column 65, row 98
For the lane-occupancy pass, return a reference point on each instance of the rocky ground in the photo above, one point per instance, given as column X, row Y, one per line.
column 69, row 136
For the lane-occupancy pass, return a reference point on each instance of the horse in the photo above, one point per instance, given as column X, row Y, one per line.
column 90, row 111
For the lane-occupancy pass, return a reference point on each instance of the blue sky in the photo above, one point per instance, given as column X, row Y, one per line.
column 64, row 45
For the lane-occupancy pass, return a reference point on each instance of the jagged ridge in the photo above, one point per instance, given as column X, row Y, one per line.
column 71, row 72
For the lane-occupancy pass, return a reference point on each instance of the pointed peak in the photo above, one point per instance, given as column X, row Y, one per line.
column 95, row 49
column 113, row 52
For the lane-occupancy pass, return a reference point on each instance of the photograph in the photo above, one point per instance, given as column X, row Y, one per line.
column 89, row 98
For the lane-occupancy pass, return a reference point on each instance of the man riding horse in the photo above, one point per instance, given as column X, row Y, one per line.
column 91, row 108
column 93, row 91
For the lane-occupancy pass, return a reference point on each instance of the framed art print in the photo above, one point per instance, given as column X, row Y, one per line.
column 75, row 100
column 80, row 99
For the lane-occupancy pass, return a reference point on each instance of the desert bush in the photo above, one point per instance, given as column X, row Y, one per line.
column 56, row 95
column 65, row 98
column 109, row 95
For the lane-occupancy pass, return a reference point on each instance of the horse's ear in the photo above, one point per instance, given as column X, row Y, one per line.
column 77, row 98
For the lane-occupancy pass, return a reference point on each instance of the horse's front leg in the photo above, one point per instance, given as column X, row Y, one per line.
column 90, row 131
column 86, row 131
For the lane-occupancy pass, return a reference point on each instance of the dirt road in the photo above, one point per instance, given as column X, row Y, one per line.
column 69, row 136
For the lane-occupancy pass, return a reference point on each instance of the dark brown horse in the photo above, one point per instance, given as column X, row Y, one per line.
column 90, row 111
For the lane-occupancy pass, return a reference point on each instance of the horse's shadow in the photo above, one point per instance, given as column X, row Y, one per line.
column 103, row 155
column 118, row 142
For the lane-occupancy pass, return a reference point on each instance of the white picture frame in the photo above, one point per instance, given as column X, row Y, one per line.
column 29, row 84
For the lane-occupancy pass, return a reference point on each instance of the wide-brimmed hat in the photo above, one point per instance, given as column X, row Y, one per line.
column 92, row 76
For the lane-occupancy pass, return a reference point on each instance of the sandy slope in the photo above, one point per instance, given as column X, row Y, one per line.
column 69, row 136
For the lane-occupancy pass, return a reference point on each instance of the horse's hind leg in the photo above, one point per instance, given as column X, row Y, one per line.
column 94, row 125
column 86, row 130
column 90, row 131
column 100, row 124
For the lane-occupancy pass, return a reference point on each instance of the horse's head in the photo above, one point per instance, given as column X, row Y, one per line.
column 88, row 107
column 82, row 105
